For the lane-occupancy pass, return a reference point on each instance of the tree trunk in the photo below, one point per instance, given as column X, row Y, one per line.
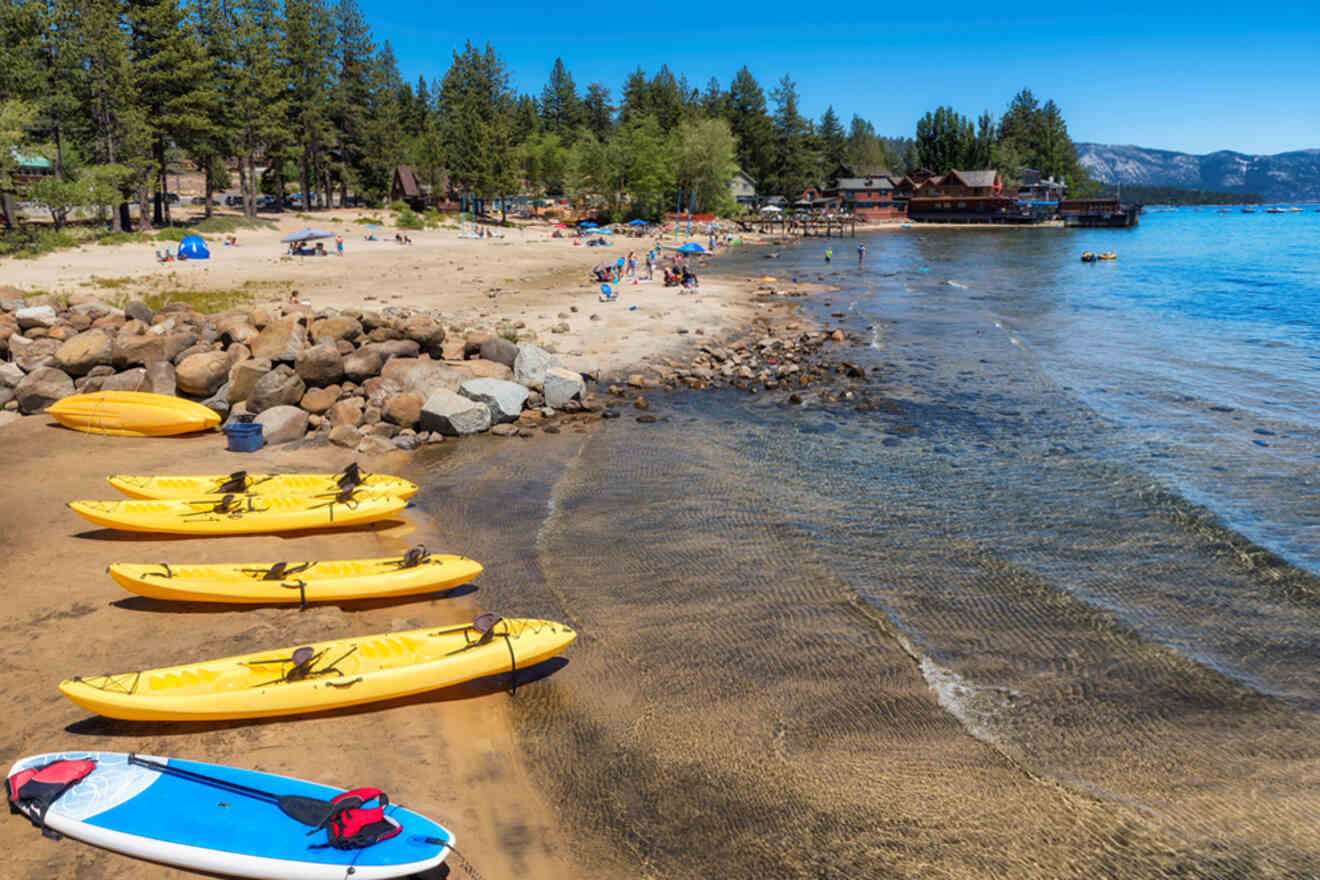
column 305, row 182
column 243, row 185
column 208, row 190
column 144, row 207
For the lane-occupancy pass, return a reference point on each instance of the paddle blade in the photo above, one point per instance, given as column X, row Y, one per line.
column 307, row 810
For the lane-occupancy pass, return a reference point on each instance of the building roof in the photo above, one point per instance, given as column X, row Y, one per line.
column 973, row 178
column 26, row 160
column 880, row 181
column 407, row 181
column 745, row 176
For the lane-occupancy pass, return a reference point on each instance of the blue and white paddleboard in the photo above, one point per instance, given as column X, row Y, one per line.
column 178, row 820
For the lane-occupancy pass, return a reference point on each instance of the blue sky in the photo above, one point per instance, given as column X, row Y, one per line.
column 1178, row 76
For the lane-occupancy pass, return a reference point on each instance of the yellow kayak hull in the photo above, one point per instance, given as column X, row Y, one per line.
column 362, row 670
column 132, row 414
column 188, row 487
column 250, row 514
column 335, row 581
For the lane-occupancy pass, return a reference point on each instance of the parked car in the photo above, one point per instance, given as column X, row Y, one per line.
column 172, row 198
column 233, row 201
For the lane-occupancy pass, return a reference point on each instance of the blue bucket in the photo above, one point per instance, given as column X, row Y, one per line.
column 244, row 436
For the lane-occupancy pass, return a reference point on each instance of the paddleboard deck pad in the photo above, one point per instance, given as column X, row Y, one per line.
column 207, row 817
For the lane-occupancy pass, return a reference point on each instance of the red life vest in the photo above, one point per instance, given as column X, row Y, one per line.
column 32, row 791
column 353, row 826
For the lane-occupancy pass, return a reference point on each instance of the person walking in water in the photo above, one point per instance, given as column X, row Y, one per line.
column 861, row 253
column 829, row 254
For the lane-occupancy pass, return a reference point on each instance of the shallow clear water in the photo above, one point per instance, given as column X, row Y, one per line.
column 1050, row 610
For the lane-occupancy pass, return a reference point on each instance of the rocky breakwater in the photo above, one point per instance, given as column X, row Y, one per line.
column 372, row 381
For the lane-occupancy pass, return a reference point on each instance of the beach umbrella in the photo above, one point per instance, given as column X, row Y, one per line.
column 636, row 222
column 307, row 234
column 604, row 231
column 691, row 248
column 771, row 209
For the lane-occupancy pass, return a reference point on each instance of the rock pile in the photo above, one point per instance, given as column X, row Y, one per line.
column 372, row 381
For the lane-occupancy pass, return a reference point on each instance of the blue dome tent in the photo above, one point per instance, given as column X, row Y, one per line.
column 193, row 248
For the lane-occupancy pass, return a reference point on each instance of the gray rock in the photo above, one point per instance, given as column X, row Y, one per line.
column 363, row 364
column 320, row 365
column 562, row 386
column 500, row 350
column 137, row 310
column 451, row 413
column 280, row 387
column 396, row 348
column 10, row 375
column 375, row 446
column 422, row 376
column 505, row 430
column 129, row 380
column 282, row 424
column 202, row 374
column 219, row 401
column 505, row 399
column 530, row 365
column 281, row 340
column 407, row 441
column 42, row 387
column 160, row 378
column 244, row 375
column 79, row 354
column 35, row 316
column 426, row 331
column 346, row 436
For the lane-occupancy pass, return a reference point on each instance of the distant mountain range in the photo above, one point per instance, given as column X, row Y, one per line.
column 1283, row 177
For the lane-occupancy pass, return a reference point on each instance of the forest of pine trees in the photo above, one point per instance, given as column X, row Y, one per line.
column 296, row 96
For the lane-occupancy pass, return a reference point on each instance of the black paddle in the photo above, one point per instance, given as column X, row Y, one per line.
column 307, row 810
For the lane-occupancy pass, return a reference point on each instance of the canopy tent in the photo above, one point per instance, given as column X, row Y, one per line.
column 691, row 248
column 637, row 223
column 603, row 231
column 771, row 209
column 307, row 234
column 193, row 248
column 587, row 224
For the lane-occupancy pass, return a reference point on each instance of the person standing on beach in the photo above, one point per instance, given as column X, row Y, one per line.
column 650, row 264
column 632, row 264
column 339, row 245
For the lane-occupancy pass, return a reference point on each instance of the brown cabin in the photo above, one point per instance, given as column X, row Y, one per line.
column 405, row 189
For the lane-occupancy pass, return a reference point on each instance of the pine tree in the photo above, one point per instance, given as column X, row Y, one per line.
column 751, row 127
column 945, row 140
column 666, row 99
column 797, row 166
column 215, row 143
column 561, row 108
column 259, row 99
column 354, row 53
column 598, row 111
column 477, row 124
column 635, row 97
column 833, row 142
column 169, row 72
column 714, row 101
column 307, row 34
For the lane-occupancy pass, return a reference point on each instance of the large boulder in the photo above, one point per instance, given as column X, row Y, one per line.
column 129, row 380
column 500, row 350
column 8, row 328
column 453, row 414
column 426, row 332
column 345, row 435
column 561, row 386
column 219, row 402
column 318, row 400
column 36, row 316
column 530, row 365
column 363, row 364
column 133, row 350
column 281, row 340
column 403, row 409
column 320, row 365
column 280, row 387
column 345, row 412
column 505, row 399
column 202, row 374
column 30, row 354
column 282, row 424
column 244, row 375
column 42, row 387
column 137, row 310
column 396, row 348
column 336, row 327
column 160, row 378
column 422, row 375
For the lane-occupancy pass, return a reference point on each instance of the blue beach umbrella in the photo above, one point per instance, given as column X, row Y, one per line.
column 604, row 231
column 691, row 248
column 307, row 234
column 636, row 222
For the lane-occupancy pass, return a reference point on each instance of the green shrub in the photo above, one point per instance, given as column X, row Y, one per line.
column 171, row 233
column 432, row 218
column 25, row 242
column 368, row 220
column 399, row 205
column 408, row 220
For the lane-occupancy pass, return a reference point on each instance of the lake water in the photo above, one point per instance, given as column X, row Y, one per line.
column 1050, row 609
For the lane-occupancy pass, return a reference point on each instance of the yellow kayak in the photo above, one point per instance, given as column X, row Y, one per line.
column 265, row 582
column 188, row 487
column 240, row 514
column 324, row 675
column 132, row 414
